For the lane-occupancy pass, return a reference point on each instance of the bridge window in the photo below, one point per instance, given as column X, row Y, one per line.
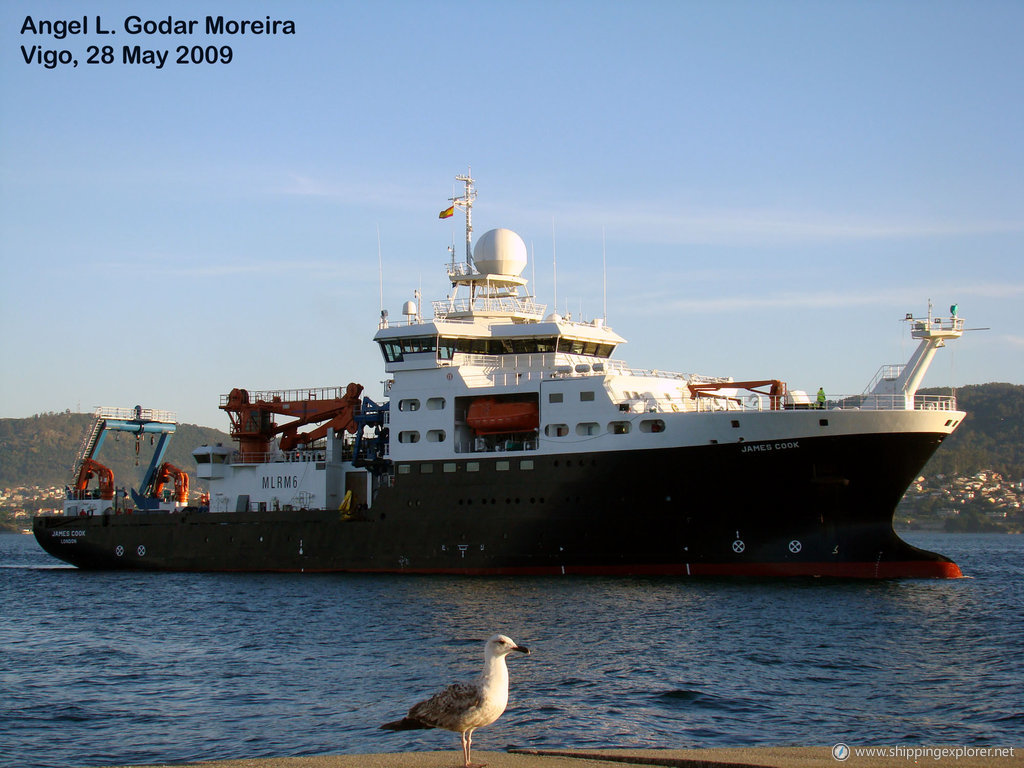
column 447, row 347
column 435, row 404
column 473, row 346
column 587, row 428
column 409, row 437
column 619, row 428
column 419, row 344
column 435, row 436
column 394, row 350
column 556, row 430
column 409, row 405
column 391, row 350
column 584, row 347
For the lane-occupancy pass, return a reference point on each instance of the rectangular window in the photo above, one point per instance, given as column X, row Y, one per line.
column 403, row 469
column 501, row 466
column 419, row 344
column 586, row 397
column 392, row 351
column 472, row 466
column 449, row 466
column 426, row 469
column 446, row 349
column 526, row 464
column 555, row 397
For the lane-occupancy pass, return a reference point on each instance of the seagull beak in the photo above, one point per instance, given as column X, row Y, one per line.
column 522, row 649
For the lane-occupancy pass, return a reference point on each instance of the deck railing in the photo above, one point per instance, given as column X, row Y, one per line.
column 292, row 395
column 132, row 414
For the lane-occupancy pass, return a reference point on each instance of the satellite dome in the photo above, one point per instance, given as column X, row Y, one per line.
column 500, row 252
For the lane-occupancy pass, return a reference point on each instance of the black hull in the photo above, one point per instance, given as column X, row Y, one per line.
column 813, row 507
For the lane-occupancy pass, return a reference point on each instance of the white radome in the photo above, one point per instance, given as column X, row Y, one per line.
column 500, row 252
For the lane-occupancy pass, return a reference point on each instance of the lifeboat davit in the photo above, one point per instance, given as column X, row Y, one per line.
column 490, row 416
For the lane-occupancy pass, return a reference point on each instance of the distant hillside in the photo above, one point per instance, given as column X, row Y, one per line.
column 991, row 437
column 41, row 449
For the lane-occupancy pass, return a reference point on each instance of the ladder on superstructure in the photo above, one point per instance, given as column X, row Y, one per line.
column 87, row 445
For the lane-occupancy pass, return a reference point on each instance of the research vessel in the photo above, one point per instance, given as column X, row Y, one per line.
column 510, row 440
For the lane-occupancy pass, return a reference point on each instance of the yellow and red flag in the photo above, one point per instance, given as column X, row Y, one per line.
column 447, row 213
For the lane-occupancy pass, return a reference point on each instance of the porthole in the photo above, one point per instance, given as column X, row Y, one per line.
column 652, row 425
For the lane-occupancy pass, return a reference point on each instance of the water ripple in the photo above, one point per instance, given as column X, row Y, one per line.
column 117, row 668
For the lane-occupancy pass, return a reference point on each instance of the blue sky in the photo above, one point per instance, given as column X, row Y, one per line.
column 777, row 184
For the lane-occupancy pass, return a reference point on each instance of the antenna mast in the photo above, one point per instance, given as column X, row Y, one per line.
column 380, row 269
column 383, row 322
column 466, row 203
column 604, row 274
column 554, row 261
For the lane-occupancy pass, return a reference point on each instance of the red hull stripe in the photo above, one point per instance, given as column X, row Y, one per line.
column 906, row 569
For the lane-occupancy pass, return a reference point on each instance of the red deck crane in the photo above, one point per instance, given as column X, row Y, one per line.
column 166, row 472
column 253, row 425
column 104, row 475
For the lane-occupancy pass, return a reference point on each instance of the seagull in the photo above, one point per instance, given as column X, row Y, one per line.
column 464, row 707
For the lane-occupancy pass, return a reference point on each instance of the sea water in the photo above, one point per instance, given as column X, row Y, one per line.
column 127, row 667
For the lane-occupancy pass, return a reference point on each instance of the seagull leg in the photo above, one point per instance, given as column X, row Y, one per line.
column 467, row 748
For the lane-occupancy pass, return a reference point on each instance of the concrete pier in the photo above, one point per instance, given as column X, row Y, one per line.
column 740, row 757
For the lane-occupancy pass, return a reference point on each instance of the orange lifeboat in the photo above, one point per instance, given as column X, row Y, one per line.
column 490, row 416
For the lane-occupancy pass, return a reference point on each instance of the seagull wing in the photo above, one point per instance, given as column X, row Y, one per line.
column 449, row 708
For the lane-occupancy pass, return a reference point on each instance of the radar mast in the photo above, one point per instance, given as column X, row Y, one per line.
column 466, row 203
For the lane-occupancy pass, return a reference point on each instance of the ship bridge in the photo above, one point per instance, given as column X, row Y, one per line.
column 486, row 315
